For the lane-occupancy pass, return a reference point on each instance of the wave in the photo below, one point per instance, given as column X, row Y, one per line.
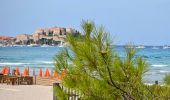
column 8, row 63
column 20, row 63
column 45, row 62
column 48, row 62
column 159, row 65
column 163, row 71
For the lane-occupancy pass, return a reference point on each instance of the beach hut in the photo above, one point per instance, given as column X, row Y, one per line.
column 40, row 72
column 47, row 73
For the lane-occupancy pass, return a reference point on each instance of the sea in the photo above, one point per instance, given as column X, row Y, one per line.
column 35, row 58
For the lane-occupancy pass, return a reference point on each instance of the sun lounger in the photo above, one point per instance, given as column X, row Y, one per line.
column 1, row 78
column 11, row 80
column 26, row 80
column 48, row 81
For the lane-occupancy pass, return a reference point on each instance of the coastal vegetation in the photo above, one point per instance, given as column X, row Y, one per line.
column 95, row 69
column 167, row 79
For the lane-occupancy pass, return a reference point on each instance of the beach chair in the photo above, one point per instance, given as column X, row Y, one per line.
column 5, row 79
column 1, row 78
column 26, row 80
column 11, row 80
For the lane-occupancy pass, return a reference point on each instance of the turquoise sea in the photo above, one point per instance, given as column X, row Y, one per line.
column 42, row 57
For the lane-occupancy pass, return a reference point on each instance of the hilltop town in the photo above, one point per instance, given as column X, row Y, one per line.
column 46, row 36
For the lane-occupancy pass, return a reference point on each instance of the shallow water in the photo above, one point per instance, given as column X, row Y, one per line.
column 42, row 57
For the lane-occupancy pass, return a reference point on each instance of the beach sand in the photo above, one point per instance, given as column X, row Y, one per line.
column 25, row 92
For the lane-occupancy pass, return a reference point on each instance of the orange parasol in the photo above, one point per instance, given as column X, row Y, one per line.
column 17, row 71
column 26, row 73
column 5, row 70
column 63, row 73
column 56, row 75
column 40, row 73
column 47, row 73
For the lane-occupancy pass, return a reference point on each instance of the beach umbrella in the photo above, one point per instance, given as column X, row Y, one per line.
column 47, row 73
column 63, row 73
column 17, row 71
column 56, row 75
column 40, row 73
column 26, row 73
column 6, row 71
column 3, row 70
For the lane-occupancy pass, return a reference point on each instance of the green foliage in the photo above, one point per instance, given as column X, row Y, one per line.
column 61, row 60
column 45, row 41
column 99, row 73
column 167, row 79
column 60, row 94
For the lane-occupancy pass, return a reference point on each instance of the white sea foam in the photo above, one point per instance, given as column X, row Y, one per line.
column 163, row 71
column 159, row 65
column 45, row 62
column 20, row 63
column 9, row 63
column 48, row 62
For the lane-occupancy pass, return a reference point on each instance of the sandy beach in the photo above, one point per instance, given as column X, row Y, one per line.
column 25, row 92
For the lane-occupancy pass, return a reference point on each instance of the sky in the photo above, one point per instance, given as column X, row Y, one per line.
column 144, row 22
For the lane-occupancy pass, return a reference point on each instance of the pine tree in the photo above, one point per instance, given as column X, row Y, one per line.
column 95, row 69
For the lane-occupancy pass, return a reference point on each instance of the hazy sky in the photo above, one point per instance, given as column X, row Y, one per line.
column 137, row 21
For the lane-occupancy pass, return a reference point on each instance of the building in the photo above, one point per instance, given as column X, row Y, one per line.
column 6, row 40
column 54, row 35
column 22, row 39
